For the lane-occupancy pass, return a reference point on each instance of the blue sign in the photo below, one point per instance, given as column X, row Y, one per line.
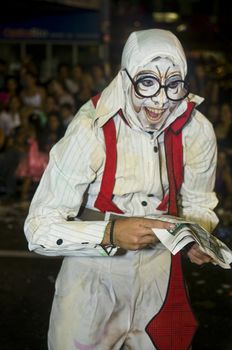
column 79, row 25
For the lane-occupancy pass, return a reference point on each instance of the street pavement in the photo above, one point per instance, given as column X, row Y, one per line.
column 27, row 287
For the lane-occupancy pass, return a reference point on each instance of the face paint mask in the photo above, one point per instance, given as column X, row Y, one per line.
column 156, row 92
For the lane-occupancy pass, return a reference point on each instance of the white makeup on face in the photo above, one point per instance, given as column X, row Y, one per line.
column 152, row 112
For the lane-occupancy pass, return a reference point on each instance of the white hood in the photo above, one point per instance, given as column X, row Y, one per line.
column 141, row 47
column 145, row 45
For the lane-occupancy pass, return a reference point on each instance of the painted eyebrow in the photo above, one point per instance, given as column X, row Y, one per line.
column 173, row 75
column 158, row 71
column 147, row 72
column 150, row 72
column 165, row 76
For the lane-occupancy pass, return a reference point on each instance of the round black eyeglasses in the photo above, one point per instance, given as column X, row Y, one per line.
column 148, row 86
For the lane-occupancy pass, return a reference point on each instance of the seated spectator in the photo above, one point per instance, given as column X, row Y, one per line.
column 60, row 93
column 63, row 76
column 10, row 118
column 32, row 94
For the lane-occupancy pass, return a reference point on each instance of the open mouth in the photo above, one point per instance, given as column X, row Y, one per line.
column 154, row 114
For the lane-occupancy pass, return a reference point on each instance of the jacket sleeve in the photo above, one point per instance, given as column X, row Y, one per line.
column 73, row 165
column 197, row 197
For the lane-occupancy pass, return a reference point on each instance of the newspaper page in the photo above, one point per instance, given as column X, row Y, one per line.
column 185, row 232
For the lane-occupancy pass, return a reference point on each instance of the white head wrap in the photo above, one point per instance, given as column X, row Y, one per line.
column 145, row 45
column 140, row 48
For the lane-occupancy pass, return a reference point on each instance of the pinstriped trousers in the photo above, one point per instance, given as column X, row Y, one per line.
column 105, row 303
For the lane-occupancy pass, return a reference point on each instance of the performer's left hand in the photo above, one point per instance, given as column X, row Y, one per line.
column 197, row 256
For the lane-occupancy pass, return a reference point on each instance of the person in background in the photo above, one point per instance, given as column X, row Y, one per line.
column 11, row 152
column 50, row 104
column 138, row 150
column 63, row 76
column 12, row 86
column 66, row 115
column 223, row 129
column 32, row 93
column 54, row 130
column 99, row 78
column 77, row 78
column 3, row 72
column 35, row 159
column 56, row 89
column 86, row 88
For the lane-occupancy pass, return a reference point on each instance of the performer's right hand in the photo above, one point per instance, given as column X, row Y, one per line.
column 134, row 233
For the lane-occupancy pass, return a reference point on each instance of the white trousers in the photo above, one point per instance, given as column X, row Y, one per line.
column 105, row 303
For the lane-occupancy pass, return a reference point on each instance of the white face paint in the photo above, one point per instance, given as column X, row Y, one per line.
column 152, row 112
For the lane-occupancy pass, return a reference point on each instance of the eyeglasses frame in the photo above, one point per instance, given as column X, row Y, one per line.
column 165, row 87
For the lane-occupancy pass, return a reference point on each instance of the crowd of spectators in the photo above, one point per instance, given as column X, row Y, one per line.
column 212, row 80
column 34, row 116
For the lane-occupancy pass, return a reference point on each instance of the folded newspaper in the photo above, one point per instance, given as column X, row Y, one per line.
column 186, row 232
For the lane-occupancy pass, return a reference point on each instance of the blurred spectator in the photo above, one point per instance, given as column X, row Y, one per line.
column 202, row 84
column 54, row 130
column 50, row 104
column 12, row 86
column 5, row 121
column 60, row 93
column 32, row 93
column 86, row 90
column 10, row 155
column 3, row 73
column 77, row 78
column 223, row 128
column 223, row 186
column 99, row 78
column 10, row 117
column 27, row 65
column 32, row 165
column 213, row 113
column 63, row 76
column 66, row 114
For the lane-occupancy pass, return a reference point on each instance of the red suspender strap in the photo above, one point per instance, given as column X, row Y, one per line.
column 174, row 158
column 104, row 200
column 175, row 325
column 95, row 99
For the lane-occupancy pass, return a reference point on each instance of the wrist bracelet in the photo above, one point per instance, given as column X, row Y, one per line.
column 112, row 232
